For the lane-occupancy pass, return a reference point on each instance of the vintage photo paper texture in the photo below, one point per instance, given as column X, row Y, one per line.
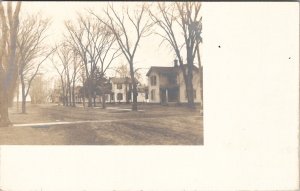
column 250, row 57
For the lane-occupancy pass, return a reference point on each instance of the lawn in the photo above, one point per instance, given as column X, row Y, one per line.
column 116, row 125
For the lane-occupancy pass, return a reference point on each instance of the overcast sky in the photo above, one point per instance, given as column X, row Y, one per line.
column 149, row 52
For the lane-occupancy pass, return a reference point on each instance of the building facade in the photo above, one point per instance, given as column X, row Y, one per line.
column 166, row 84
column 122, row 91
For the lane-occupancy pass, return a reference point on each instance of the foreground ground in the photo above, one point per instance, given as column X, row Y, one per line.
column 116, row 125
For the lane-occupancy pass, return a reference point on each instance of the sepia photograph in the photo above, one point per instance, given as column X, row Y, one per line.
column 149, row 96
column 101, row 73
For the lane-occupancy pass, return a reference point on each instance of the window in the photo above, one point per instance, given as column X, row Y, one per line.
column 119, row 86
column 153, row 80
column 119, row 96
column 172, row 79
column 152, row 94
column 112, row 96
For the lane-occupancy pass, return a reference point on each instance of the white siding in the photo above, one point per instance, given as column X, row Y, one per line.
column 115, row 90
column 180, row 80
column 155, row 88
column 196, row 86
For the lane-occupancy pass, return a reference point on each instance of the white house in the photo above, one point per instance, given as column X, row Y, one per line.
column 122, row 91
column 166, row 84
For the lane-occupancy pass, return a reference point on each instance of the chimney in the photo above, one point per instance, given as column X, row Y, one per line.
column 175, row 63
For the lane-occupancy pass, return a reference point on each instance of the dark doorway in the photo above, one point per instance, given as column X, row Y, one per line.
column 163, row 96
column 173, row 94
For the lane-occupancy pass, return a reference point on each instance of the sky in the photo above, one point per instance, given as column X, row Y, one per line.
column 149, row 52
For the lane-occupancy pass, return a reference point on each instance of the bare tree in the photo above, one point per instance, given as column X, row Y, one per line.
column 82, row 79
column 184, row 16
column 74, row 77
column 32, row 51
column 103, row 42
column 65, row 55
column 123, row 71
column 76, row 37
column 8, row 65
column 95, row 45
column 60, row 71
column 40, row 90
column 115, row 22
column 71, row 67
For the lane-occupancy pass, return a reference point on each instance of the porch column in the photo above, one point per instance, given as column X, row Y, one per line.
column 167, row 96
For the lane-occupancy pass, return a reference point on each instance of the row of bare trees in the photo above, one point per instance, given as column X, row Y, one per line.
column 180, row 24
column 32, row 51
column 84, row 56
column 96, row 48
column 120, row 23
column 23, row 51
column 91, row 44
column 186, row 19
column 68, row 68
column 119, row 31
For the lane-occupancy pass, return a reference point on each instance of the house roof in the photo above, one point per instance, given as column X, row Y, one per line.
column 169, row 86
column 166, row 70
column 124, row 80
column 160, row 70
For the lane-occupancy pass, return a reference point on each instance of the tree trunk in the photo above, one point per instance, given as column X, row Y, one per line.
column 4, row 120
column 23, row 94
column 23, row 104
column 189, row 87
column 73, row 95
column 126, row 90
column 18, row 94
column 12, row 69
column 89, row 92
column 11, row 101
column 103, row 101
column 9, row 77
column 134, row 90
column 70, row 96
column 83, row 101
column 62, row 99
column 90, row 104
column 83, row 98
column 201, row 76
column 183, row 70
column 63, row 91
column 94, row 101
column 66, row 97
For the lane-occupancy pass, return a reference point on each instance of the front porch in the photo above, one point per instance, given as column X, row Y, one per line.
column 169, row 94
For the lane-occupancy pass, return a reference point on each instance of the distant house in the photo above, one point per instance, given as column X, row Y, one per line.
column 122, row 91
column 166, row 84
column 142, row 93
column 55, row 96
